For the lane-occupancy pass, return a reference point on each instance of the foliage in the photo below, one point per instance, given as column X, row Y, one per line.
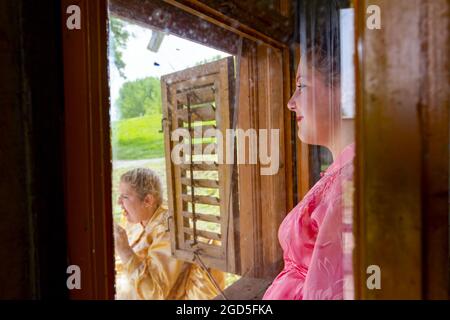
column 120, row 37
column 140, row 97
column 207, row 60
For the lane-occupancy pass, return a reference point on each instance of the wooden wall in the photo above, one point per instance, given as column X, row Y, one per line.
column 32, row 224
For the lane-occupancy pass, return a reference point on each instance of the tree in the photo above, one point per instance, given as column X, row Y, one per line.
column 118, row 42
column 139, row 97
column 207, row 60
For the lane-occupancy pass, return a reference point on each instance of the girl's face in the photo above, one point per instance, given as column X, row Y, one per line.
column 316, row 105
column 135, row 209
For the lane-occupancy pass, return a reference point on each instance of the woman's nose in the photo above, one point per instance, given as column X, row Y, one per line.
column 291, row 105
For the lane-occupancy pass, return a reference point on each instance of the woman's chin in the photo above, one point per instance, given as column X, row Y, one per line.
column 308, row 138
column 303, row 138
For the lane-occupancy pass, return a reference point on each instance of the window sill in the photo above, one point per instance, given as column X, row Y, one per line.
column 246, row 289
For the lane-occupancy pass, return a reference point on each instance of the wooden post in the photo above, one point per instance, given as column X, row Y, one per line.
column 401, row 219
column 87, row 150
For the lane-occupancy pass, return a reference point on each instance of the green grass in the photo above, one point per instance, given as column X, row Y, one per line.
column 138, row 138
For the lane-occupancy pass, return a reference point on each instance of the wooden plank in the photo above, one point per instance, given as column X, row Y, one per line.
column 204, row 234
column 207, row 113
column 388, row 221
column 232, row 251
column 87, row 161
column 201, row 183
column 167, row 114
column 247, row 289
column 212, row 262
column 260, row 210
column 199, row 167
column 201, row 129
column 157, row 14
column 249, row 182
column 270, row 98
column 286, row 7
column 435, row 120
column 177, row 187
column 197, row 96
column 224, row 102
column 200, row 148
column 214, row 201
column 264, row 24
column 205, row 248
column 202, row 216
column 195, row 77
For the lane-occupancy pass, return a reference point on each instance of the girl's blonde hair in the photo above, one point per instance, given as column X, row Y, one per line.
column 144, row 181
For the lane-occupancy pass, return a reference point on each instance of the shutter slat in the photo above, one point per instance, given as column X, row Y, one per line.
column 201, row 183
column 201, row 199
column 204, row 234
column 197, row 114
column 196, row 96
column 202, row 129
column 199, row 148
column 208, row 249
column 200, row 167
column 202, row 216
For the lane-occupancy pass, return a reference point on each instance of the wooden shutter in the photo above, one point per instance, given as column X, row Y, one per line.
column 202, row 215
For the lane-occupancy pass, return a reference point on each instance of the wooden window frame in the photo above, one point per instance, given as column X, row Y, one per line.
column 420, row 222
column 88, row 151
column 88, row 146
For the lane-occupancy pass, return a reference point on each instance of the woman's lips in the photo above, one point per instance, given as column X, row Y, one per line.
column 299, row 118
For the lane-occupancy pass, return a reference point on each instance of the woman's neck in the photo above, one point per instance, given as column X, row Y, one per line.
column 151, row 212
column 341, row 139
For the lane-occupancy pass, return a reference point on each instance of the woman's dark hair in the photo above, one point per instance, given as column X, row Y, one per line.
column 320, row 36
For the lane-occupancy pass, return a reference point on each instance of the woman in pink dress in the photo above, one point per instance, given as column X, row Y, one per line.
column 316, row 235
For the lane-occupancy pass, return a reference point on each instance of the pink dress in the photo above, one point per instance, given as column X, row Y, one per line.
column 316, row 239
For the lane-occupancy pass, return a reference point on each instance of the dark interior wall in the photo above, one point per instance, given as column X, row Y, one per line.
column 32, row 223
column 15, row 252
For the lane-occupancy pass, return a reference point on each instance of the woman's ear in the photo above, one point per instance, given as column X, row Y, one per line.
column 149, row 201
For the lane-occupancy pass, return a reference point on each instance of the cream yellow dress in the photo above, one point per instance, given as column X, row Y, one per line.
column 153, row 274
